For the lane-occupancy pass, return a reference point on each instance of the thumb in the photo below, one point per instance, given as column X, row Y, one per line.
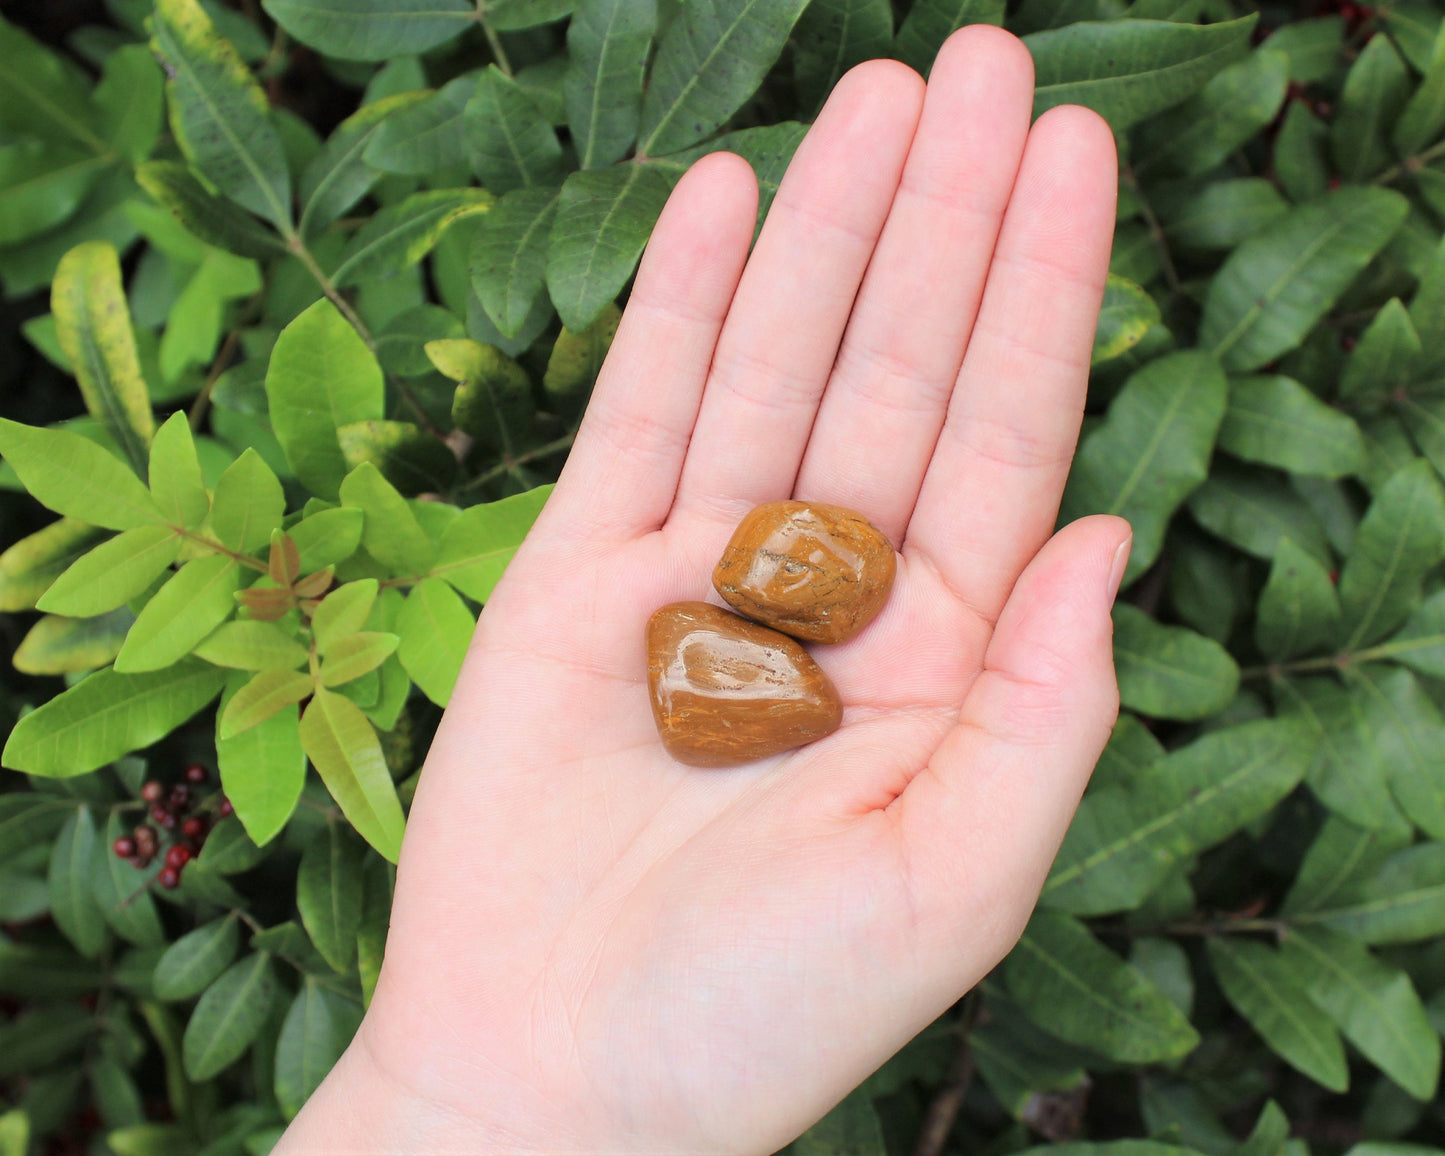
column 984, row 825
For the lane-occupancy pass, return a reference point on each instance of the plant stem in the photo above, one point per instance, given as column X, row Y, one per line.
column 1339, row 662
column 510, row 463
column 1410, row 164
column 1156, row 232
column 943, row 1111
column 494, row 42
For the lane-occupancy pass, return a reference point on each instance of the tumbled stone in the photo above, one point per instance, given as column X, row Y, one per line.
column 726, row 690
column 820, row 573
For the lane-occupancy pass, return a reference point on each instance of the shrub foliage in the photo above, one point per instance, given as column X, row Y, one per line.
column 304, row 303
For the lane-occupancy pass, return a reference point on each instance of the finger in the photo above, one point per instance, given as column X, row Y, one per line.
column 900, row 357
column 1005, row 782
column 636, row 429
column 991, row 493
column 782, row 334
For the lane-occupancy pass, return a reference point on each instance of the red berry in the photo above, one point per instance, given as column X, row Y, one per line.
column 145, row 839
column 196, row 773
column 141, row 862
column 180, row 797
column 123, row 847
column 168, row 878
column 164, row 818
column 152, row 792
column 194, row 827
column 178, row 856
column 1348, row 341
column 225, row 810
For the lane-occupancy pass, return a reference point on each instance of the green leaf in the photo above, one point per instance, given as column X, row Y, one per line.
column 1299, row 154
column 1312, row 46
column 229, row 1016
column 375, row 922
column 850, row 1129
column 1374, row 1005
column 343, row 612
column 108, row 715
column 1403, row 903
column 1126, row 315
column 373, row 29
column 27, row 819
column 248, row 505
column 1151, row 451
column 409, row 458
column 1347, row 774
column 43, row 1037
column 351, row 657
column 509, row 142
column 31, row 566
column 338, row 176
column 228, row 851
column 211, row 219
column 317, row 1029
column 57, row 645
column 1423, row 117
column 1169, row 671
column 321, row 376
column 327, row 537
column 261, row 697
column 1222, row 213
column 249, row 645
column 607, row 45
column 121, row 892
column 43, row 95
column 73, row 905
column 1408, row 735
column 175, row 475
column 1339, row 855
column 1272, row 290
column 930, row 22
column 219, row 114
column 1063, row 977
column 391, row 533
column 1256, row 511
column 435, row 628
column 194, row 601
column 711, row 58
column 576, row 360
column 197, row 959
column 328, row 894
column 92, row 323
column 74, row 476
column 41, row 187
column 401, row 235
column 1376, row 89
column 1278, row 422
column 493, row 402
column 14, row 1133
column 1227, row 112
column 832, row 36
column 113, row 573
column 1126, row 70
column 1401, row 537
column 604, row 218
column 1267, row 993
column 343, row 747
column 426, row 136
column 477, row 546
column 1420, row 644
column 1299, row 610
column 263, row 770
column 509, row 256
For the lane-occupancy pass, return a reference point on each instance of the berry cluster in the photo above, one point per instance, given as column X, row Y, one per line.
column 178, row 812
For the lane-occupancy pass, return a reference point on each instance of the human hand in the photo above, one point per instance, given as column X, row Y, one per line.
column 595, row 949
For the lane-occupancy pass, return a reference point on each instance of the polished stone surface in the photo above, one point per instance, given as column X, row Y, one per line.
column 818, row 572
column 726, row 690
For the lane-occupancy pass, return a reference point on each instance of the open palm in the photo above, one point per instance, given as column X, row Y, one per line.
column 595, row 949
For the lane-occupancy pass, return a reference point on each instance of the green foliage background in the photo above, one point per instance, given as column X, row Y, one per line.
column 302, row 309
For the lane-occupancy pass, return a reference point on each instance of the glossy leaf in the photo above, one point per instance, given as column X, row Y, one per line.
column 328, row 894
column 113, row 573
column 248, row 504
column 261, row 697
column 435, row 628
column 212, row 220
column 247, row 645
column 318, row 1026
column 74, row 476
column 477, row 546
column 175, row 475
column 343, row 612
column 327, row 537
column 263, row 770
column 358, row 654
column 32, row 565
column 401, row 235
column 56, row 645
column 192, row 603
column 343, row 747
column 196, row 960
column 229, row 1016
column 391, row 533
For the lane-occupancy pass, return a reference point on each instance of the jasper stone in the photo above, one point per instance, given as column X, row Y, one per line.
column 726, row 690
column 817, row 572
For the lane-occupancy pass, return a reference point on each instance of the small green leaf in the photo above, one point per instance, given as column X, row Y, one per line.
column 56, row 645
column 1376, row 89
column 509, row 142
column 1256, row 511
column 493, row 402
column 477, row 546
column 209, row 218
column 1384, row 358
column 435, row 628
column 175, row 475
column 92, row 323
column 357, row 654
column 1374, row 1005
column 328, row 893
column 73, row 905
column 930, row 22
column 263, row 770
column 401, row 235
column 327, row 537
column 219, row 115
column 343, row 612
column 1222, row 213
column 1402, row 903
column 248, row 505
column 194, row 601
column 261, row 697
column 74, row 476
column 113, row 573
column 391, row 533
column 248, row 645
column 196, row 960
column 1259, row 983
column 1348, row 774
column 509, row 256
column 427, row 136
column 108, row 715
column 1272, row 290
column 373, row 29
column 1341, row 854
column 1125, row 316
column 576, row 360
column 1278, row 422
column 121, row 892
column 1299, row 154
column 30, row 567
column 1405, row 730
column 318, row 1026
column 321, row 376
column 1169, row 671
column 607, row 45
column 1065, row 978
column 344, row 748
column 228, row 850
column 1299, row 609
column 604, row 218
column 229, row 1016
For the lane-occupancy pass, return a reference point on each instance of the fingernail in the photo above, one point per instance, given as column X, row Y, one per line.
column 1116, row 570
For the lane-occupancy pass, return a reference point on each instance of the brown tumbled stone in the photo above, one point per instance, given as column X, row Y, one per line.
column 726, row 690
column 817, row 572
